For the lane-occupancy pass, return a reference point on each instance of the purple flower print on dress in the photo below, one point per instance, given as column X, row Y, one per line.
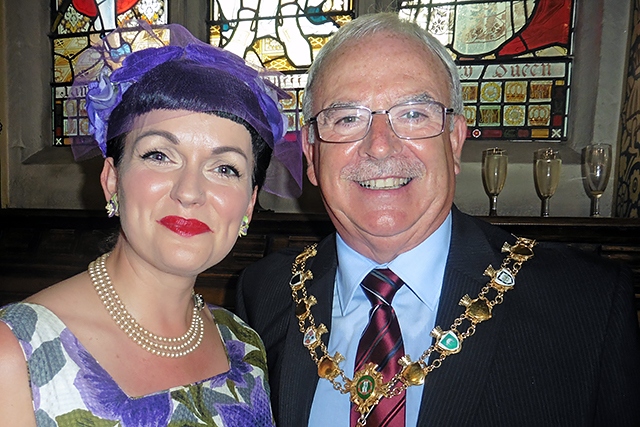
column 104, row 398
column 237, row 366
column 256, row 414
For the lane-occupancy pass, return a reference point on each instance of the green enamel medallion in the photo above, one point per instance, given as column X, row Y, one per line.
column 365, row 386
column 449, row 342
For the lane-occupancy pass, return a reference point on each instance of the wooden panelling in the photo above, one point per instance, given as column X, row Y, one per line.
column 39, row 248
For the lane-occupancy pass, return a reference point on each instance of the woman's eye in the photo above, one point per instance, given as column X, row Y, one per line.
column 157, row 156
column 227, row 170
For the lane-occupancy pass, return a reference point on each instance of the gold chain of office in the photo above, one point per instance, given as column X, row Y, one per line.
column 367, row 387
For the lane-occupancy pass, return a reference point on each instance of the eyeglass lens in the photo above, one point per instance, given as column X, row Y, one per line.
column 408, row 121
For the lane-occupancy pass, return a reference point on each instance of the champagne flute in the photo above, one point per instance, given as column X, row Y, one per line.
column 596, row 168
column 546, row 173
column 494, row 175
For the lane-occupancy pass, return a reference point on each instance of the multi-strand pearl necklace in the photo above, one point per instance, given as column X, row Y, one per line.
column 160, row 346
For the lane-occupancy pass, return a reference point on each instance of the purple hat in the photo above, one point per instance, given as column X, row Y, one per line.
column 202, row 78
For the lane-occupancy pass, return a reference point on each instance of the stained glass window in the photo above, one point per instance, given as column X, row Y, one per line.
column 75, row 24
column 281, row 35
column 514, row 59
column 514, row 56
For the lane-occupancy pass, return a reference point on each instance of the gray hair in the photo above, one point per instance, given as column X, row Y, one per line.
column 367, row 25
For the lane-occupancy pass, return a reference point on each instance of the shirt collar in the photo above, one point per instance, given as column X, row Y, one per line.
column 432, row 253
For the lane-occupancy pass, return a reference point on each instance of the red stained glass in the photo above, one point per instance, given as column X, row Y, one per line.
column 492, row 133
column 549, row 27
column 514, row 58
column 89, row 7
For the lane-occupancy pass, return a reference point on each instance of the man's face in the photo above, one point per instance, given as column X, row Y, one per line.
column 385, row 195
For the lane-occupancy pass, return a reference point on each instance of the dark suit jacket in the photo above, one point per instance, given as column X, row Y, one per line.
column 563, row 349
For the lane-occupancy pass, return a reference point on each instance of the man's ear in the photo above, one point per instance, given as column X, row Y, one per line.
column 109, row 178
column 457, row 137
column 309, row 153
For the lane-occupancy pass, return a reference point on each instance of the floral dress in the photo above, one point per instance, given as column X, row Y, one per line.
column 70, row 388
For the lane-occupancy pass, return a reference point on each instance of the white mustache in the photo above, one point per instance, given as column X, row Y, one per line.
column 401, row 167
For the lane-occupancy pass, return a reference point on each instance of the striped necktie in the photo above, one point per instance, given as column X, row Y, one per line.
column 381, row 343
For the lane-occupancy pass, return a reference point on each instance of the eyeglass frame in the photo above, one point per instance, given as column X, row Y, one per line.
column 445, row 111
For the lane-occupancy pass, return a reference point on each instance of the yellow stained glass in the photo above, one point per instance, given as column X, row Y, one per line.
column 74, row 27
column 65, row 50
column 540, row 133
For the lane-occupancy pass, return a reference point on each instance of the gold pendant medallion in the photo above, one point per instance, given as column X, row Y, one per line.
column 366, row 388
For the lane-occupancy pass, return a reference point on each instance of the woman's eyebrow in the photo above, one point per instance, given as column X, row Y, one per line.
column 174, row 140
column 162, row 133
column 228, row 148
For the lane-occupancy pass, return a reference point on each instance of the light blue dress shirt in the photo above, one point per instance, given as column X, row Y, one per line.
column 416, row 305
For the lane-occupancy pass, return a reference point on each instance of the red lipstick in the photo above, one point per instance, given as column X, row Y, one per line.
column 183, row 226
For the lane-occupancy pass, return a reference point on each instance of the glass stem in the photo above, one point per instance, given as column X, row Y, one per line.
column 544, row 210
column 493, row 205
column 595, row 206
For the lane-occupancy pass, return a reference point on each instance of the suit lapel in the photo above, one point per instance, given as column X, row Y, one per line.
column 299, row 374
column 451, row 391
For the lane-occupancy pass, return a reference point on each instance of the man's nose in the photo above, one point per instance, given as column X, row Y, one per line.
column 381, row 141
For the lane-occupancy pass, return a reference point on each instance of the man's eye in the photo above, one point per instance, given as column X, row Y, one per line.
column 413, row 115
column 339, row 117
column 347, row 120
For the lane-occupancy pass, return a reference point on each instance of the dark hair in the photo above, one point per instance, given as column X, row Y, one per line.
column 186, row 85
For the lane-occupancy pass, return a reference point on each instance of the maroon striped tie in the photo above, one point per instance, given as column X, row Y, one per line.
column 381, row 343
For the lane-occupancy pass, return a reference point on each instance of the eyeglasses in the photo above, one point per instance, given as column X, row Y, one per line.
column 409, row 120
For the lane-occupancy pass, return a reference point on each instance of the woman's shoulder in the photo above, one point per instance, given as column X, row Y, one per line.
column 63, row 292
column 21, row 318
column 11, row 318
column 15, row 394
column 30, row 323
column 12, row 356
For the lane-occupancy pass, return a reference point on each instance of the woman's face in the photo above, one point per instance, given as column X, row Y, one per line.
column 183, row 185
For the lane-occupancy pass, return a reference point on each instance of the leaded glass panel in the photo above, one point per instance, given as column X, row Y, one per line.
column 280, row 35
column 75, row 24
column 514, row 59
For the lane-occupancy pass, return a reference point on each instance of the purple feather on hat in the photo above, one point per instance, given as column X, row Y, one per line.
column 227, row 84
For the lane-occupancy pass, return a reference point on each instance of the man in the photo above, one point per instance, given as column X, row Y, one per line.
column 556, row 345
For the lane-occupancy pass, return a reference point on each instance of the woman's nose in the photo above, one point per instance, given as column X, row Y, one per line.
column 189, row 188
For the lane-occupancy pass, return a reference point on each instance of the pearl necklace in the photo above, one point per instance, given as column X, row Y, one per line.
column 155, row 344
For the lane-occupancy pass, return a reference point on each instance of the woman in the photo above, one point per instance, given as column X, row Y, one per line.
column 190, row 134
